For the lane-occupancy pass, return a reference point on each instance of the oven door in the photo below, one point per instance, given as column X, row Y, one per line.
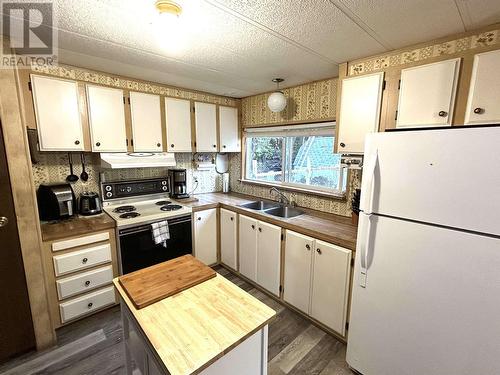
column 138, row 250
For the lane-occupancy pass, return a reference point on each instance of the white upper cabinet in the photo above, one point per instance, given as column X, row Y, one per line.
column 248, row 247
column 107, row 119
column 228, row 238
column 178, row 119
column 205, row 118
column 229, row 130
column 57, row 114
column 269, row 257
column 205, row 236
column 427, row 94
column 483, row 106
column 330, row 286
column 146, row 122
column 360, row 104
column 298, row 250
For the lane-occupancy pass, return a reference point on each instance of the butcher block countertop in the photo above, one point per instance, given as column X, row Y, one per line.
column 335, row 229
column 192, row 329
column 76, row 226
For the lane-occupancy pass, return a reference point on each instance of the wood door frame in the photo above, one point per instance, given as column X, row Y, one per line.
column 23, row 194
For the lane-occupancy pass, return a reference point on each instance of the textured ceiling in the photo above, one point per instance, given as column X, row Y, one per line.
column 235, row 47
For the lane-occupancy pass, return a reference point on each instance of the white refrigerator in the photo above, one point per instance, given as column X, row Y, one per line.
column 426, row 286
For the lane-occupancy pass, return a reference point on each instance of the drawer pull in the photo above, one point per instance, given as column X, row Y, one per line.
column 318, row 250
column 308, row 247
column 253, row 226
column 478, row 110
column 90, row 305
column 87, row 283
column 260, row 229
column 85, row 260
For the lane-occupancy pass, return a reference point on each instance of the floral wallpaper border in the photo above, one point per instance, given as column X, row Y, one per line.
column 89, row 76
column 315, row 101
column 485, row 39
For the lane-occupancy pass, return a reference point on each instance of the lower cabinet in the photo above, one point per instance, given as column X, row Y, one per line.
column 260, row 252
column 228, row 238
column 205, row 236
column 317, row 278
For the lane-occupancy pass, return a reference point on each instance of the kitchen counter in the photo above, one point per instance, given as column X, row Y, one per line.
column 331, row 228
column 76, row 226
column 211, row 328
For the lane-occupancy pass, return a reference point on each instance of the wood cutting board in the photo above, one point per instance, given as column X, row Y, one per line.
column 149, row 285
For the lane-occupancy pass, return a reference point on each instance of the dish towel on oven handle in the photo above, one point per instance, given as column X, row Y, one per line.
column 160, row 232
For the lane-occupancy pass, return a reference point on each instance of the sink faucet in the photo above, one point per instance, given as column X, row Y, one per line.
column 281, row 197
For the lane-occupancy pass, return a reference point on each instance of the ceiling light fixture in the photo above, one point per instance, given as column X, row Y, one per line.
column 277, row 100
column 168, row 7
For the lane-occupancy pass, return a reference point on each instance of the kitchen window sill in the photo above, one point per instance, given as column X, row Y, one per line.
column 326, row 194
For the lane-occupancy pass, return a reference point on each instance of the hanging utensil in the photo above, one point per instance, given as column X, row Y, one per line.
column 71, row 177
column 84, row 175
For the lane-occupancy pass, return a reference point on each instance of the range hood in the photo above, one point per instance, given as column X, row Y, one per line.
column 137, row 160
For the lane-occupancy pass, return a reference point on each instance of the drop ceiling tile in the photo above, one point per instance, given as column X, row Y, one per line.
column 477, row 13
column 402, row 23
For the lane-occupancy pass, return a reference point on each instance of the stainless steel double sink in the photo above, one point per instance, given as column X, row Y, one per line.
column 273, row 208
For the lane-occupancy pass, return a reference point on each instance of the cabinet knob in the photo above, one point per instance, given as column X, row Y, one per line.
column 342, row 144
column 260, row 229
column 318, row 250
column 478, row 110
column 77, row 142
column 443, row 113
column 232, row 218
column 98, row 144
column 308, row 247
column 87, row 283
column 90, row 305
column 85, row 260
column 158, row 145
column 199, row 219
column 253, row 226
column 172, row 145
column 224, row 146
column 214, row 146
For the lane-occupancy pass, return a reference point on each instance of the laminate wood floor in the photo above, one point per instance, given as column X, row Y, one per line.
column 94, row 345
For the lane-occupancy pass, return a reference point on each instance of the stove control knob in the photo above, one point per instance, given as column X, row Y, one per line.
column 164, row 188
column 129, row 189
column 108, row 188
column 109, row 194
column 164, row 182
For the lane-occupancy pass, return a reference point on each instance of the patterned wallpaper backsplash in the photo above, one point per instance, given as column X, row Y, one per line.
column 54, row 167
column 315, row 202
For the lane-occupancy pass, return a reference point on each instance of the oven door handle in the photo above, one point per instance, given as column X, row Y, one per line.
column 147, row 227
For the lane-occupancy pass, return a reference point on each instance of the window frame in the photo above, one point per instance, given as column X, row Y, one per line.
column 280, row 131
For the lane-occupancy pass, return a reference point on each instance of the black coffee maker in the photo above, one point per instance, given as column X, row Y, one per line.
column 178, row 184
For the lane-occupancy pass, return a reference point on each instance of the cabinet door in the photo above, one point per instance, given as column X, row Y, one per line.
column 228, row 244
column 330, row 286
column 360, row 103
column 427, row 94
column 484, row 94
column 248, row 246
column 298, row 263
column 178, row 118
column 146, row 122
column 269, row 257
column 229, row 129
column 205, row 236
column 57, row 114
column 107, row 119
column 205, row 117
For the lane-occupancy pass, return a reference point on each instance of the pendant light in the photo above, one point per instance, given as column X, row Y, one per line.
column 277, row 100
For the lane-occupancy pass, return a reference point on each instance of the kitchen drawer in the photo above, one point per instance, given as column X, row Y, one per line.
column 82, row 259
column 86, row 304
column 79, row 241
column 69, row 286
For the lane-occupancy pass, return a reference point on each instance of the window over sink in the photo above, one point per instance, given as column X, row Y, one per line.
column 298, row 156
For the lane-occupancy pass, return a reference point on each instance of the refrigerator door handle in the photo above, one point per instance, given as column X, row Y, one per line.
column 363, row 247
column 370, row 178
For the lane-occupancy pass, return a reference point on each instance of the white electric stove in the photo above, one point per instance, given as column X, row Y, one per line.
column 135, row 205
